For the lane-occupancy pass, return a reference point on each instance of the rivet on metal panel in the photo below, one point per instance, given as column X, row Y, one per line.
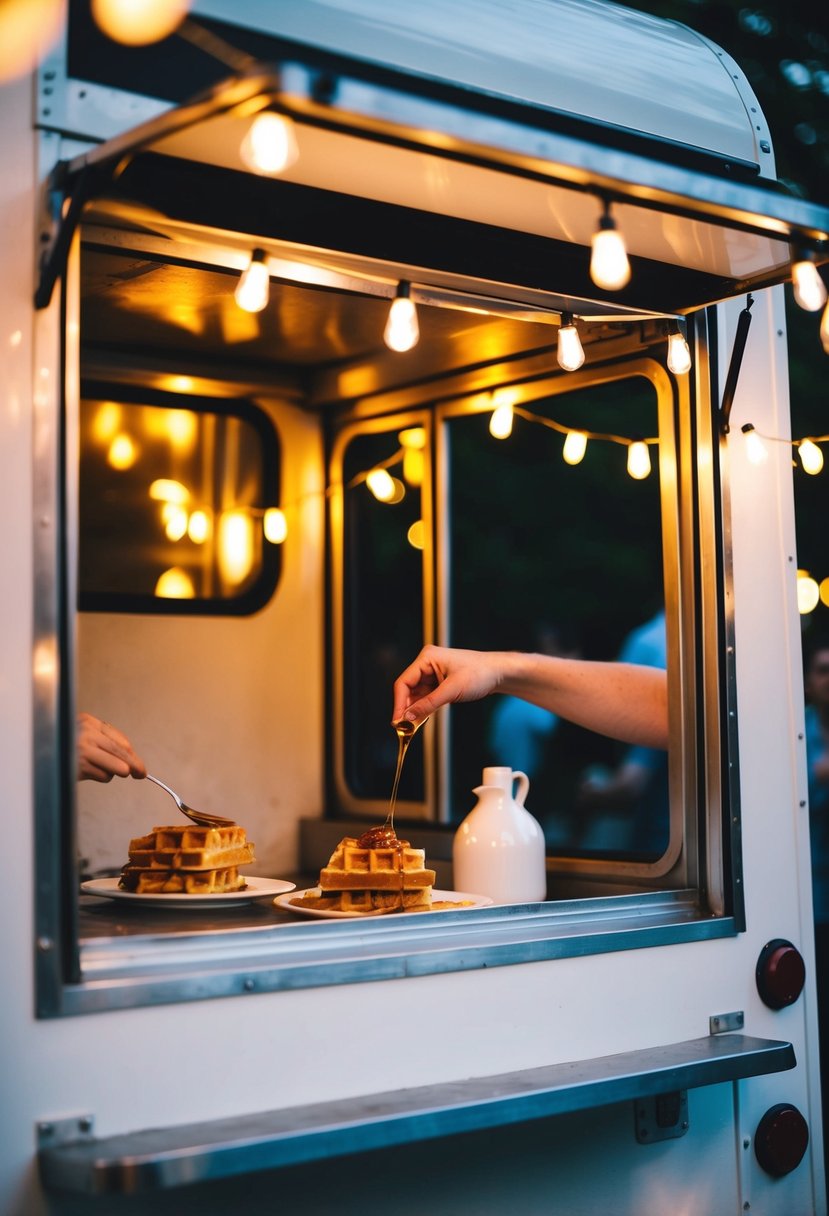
column 719, row 1023
column 64, row 1131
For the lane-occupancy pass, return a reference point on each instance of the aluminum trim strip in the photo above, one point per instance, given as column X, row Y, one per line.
column 162, row 1158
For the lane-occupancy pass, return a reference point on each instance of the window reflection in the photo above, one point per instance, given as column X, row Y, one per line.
column 176, row 503
column 563, row 557
column 382, row 605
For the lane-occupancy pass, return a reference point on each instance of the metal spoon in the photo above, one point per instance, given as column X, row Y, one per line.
column 200, row 817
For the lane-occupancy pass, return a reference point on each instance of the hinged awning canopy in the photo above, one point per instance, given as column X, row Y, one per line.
column 491, row 172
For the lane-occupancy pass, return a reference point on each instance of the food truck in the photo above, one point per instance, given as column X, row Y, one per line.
column 241, row 494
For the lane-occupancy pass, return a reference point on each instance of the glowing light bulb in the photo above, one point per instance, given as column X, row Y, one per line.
column 609, row 265
column 123, row 452
column 175, row 584
column 575, row 445
column 253, row 288
column 808, row 593
column 416, row 535
column 810, row 455
column 500, row 422
column 175, row 521
column 639, row 460
column 164, row 489
column 755, row 448
column 270, row 145
column 275, row 525
column 824, row 329
column 28, row 28
column 235, row 547
column 414, row 464
column 823, row 588
column 570, row 351
column 809, row 288
column 402, row 331
column 381, row 484
column 198, row 527
column 679, row 353
column 139, row 22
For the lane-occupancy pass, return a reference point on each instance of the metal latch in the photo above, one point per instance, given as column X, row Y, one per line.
column 662, row 1117
column 719, row 1023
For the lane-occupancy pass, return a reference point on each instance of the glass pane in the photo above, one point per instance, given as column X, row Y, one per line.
column 172, row 505
column 567, row 559
column 383, row 615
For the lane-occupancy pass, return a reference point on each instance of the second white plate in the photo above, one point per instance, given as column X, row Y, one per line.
column 446, row 901
column 256, row 888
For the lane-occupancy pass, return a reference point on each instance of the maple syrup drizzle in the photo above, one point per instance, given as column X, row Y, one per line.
column 385, row 837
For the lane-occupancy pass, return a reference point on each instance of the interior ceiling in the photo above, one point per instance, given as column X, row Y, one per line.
column 146, row 309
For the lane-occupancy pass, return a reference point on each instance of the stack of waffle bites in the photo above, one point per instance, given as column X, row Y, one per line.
column 377, row 873
column 188, row 860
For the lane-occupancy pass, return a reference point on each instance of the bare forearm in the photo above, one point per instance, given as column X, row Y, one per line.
column 621, row 700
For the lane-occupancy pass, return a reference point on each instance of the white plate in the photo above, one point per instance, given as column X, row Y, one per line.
column 458, row 900
column 257, row 888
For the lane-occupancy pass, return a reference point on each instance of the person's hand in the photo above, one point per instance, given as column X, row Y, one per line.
column 442, row 676
column 104, row 753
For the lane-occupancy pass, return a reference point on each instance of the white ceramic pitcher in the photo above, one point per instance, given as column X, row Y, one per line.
column 499, row 848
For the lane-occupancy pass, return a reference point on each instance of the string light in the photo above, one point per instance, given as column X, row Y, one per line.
column 402, row 331
column 381, row 484
column 679, row 353
column 253, row 288
column 500, row 422
column 270, row 145
column 570, row 352
column 755, row 448
column 808, row 593
column 809, row 288
column 639, row 460
column 139, row 22
column 609, row 265
column 824, row 329
column 575, row 446
column 275, row 525
column 811, row 457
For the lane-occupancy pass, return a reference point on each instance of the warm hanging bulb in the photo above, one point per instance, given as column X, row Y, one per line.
column 808, row 593
column 575, row 445
column 609, row 265
column 402, row 331
column 824, row 329
column 755, row 448
column 270, row 145
column 139, row 22
column 253, row 288
column 274, row 525
column 639, row 460
column 679, row 353
column 570, row 352
column 500, row 422
column 809, row 288
column 382, row 484
column 811, row 456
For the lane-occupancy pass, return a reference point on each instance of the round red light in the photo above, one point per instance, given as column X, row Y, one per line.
column 781, row 1139
column 781, row 973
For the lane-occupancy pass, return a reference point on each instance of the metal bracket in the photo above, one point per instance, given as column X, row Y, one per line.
column 69, row 1130
column 743, row 323
column 719, row 1023
column 662, row 1117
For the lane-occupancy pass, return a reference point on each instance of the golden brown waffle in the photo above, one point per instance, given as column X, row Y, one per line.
column 389, row 877
column 181, row 882
column 191, row 848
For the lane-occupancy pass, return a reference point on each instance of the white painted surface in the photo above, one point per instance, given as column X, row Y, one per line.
column 604, row 61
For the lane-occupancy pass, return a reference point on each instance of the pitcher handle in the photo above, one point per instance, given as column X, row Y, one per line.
column 523, row 785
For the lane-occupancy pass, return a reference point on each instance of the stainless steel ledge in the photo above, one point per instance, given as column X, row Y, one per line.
column 168, row 1157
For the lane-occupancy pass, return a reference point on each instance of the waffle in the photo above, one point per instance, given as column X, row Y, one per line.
column 376, row 872
column 181, row 882
column 191, row 848
column 187, row 860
